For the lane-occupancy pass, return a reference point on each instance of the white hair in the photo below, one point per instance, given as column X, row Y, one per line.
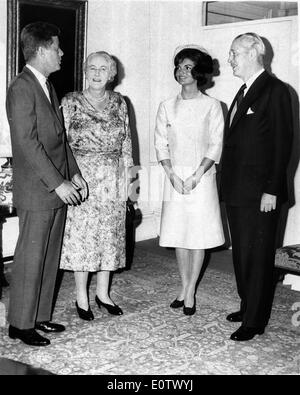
column 110, row 60
column 253, row 40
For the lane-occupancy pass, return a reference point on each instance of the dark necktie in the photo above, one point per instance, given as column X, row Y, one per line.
column 50, row 90
column 50, row 93
column 240, row 95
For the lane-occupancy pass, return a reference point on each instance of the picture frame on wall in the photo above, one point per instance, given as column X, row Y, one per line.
column 70, row 17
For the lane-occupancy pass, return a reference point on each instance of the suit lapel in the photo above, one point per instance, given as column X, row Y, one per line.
column 56, row 114
column 253, row 93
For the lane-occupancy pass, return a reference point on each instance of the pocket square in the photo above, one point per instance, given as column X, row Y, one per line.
column 249, row 111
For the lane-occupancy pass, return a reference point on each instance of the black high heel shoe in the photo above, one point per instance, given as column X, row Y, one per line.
column 86, row 315
column 112, row 309
column 190, row 310
column 176, row 304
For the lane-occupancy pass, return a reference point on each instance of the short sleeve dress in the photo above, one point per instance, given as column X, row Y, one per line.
column 186, row 132
column 101, row 143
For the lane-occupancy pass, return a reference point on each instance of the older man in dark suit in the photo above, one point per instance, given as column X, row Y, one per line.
column 45, row 179
column 257, row 142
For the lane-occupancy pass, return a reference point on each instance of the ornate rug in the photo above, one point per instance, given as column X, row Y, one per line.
column 151, row 338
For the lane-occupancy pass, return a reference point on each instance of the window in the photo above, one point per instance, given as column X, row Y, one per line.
column 217, row 12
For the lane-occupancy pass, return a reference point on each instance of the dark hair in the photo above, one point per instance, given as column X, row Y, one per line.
column 35, row 35
column 203, row 64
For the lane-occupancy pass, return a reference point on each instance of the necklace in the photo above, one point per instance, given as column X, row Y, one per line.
column 96, row 99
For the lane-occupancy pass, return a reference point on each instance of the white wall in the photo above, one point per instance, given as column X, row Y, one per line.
column 283, row 35
column 122, row 29
column 143, row 36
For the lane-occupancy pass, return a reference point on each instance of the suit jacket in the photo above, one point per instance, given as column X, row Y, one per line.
column 257, row 144
column 42, row 158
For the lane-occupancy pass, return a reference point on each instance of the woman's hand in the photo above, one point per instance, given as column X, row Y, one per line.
column 177, row 183
column 191, row 182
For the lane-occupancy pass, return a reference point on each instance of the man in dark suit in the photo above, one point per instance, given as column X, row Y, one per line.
column 257, row 142
column 45, row 179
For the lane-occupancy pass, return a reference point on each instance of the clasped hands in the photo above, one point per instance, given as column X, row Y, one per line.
column 185, row 187
column 73, row 192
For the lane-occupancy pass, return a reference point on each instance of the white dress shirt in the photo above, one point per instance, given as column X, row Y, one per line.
column 248, row 84
column 250, row 81
column 41, row 78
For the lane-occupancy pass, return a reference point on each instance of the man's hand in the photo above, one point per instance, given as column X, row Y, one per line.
column 68, row 193
column 268, row 202
column 81, row 185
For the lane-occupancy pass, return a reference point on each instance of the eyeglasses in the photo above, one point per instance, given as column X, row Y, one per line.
column 234, row 53
column 95, row 70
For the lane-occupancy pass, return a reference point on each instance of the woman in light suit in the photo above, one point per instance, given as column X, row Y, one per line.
column 188, row 142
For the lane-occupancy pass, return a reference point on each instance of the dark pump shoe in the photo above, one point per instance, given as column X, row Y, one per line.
column 189, row 310
column 28, row 336
column 111, row 308
column 244, row 333
column 235, row 317
column 49, row 327
column 177, row 304
column 86, row 315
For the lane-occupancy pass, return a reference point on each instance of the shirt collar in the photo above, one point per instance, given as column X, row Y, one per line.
column 250, row 81
column 41, row 78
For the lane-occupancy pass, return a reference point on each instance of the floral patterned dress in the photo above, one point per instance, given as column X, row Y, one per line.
column 100, row 140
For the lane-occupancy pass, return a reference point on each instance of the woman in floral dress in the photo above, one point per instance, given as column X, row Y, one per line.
column 98, row 131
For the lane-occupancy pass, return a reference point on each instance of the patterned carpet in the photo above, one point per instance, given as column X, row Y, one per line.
column 151, row 338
